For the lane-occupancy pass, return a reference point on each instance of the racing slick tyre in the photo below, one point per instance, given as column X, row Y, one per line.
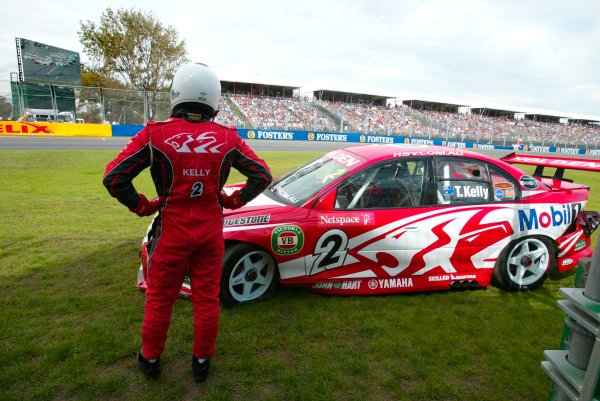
column 249, row 275
column 524, row 264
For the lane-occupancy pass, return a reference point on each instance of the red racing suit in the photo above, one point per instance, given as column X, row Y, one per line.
column 189, row 164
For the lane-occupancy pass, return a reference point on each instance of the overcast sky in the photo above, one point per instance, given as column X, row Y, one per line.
column 527, row 54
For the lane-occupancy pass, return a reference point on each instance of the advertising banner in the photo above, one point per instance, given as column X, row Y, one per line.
column 126, row 130
column 54, row 129
column 107, row 130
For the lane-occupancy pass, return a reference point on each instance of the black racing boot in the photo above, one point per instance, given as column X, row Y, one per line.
column 150, row 368
column 200, row 369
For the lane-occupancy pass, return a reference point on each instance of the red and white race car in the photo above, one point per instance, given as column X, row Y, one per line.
column 376, row 219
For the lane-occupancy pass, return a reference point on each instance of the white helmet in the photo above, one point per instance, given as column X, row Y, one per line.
column 196, row 83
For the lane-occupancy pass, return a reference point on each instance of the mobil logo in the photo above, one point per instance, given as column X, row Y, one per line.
column 287, row 240
column 558, row 215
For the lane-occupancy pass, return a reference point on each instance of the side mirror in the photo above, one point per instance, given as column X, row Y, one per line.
column 327, row 201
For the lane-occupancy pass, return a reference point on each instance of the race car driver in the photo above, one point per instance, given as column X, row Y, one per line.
column 190, row 157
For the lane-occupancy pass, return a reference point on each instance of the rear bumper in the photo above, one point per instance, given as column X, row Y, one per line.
column 571, row 261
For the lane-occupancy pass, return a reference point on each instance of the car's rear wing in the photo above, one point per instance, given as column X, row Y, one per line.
column 560, row 163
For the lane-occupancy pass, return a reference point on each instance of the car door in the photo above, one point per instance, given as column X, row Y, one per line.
column 476, row 203
column 370, row 229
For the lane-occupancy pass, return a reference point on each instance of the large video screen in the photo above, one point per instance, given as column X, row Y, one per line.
column 39, row 62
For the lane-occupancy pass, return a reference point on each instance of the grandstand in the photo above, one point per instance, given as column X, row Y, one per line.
column 285, row 107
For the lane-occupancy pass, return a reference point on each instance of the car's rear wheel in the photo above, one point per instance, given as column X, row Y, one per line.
column 249, row 274
column 524, row 264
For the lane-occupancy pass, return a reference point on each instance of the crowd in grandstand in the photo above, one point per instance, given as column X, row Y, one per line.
column 374, row 119
column 305, row 114
column 299, row 114
column 282, row 113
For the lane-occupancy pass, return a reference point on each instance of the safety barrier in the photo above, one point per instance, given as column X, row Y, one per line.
column 107, row 130
column 575, row 368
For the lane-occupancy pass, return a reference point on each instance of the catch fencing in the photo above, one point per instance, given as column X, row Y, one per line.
column 91, row 105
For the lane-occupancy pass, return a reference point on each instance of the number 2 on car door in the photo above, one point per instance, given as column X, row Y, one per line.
column 330, row 251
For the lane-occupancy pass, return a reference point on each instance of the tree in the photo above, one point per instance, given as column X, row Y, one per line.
column 5, row 108
column 134, row 47
column 96, row 78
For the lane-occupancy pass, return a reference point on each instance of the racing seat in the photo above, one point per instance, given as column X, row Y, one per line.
column 386, row 196
column 400, row 197
column 387, row 190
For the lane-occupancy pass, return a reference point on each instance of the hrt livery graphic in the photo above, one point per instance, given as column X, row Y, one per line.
column 476, row 232
column 469, row 237
column 194, row 143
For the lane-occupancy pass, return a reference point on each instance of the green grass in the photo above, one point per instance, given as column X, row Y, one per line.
column 70, row 315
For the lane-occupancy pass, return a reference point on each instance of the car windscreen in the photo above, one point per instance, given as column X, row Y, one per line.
column 306, row 181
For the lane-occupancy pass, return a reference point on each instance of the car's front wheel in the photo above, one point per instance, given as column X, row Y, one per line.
column 524, row 264
column 249, row 274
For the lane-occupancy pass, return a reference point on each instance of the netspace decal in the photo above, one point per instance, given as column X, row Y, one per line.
column 248, row 220
column 362, row 219
column 287, row 240
column 528, row 182
column 556, row 216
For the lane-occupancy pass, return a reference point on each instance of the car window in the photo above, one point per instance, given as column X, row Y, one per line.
column 306, row 181
column 465, row 181
column 506, row 189
column 390, row 184
column 462, row 181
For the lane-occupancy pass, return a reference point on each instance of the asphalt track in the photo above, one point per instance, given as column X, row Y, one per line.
column 116, row 143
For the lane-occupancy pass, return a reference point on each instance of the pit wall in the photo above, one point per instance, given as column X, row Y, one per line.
column 107, row 130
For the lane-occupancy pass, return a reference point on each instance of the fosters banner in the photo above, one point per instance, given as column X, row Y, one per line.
column 107, row 130
column 54, row 129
